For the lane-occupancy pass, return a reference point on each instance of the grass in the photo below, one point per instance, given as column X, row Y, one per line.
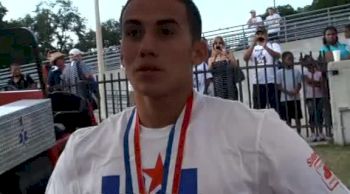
column 338, row 160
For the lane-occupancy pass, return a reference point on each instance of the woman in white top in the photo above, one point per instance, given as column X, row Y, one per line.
column 273, row 23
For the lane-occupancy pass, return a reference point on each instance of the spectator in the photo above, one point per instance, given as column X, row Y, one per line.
column 57, row 62
column 19, row 81
column 314, row 98
column 253, row 23
column 223, row 65
column 347, row 35
column 331, row 43
column 261, row 53
column 46, row 68
column 272, row 22
column 202, row 77
column 179, row 141
column 79, row 78
column 289, row 83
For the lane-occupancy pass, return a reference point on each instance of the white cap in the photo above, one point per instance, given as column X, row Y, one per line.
column 252, row 11
column 75, row 52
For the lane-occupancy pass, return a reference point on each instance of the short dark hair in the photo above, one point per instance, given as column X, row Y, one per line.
column 193, row 15
column 286, row 53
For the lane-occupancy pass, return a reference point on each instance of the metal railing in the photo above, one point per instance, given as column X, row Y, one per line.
column 293, row 27
column 225, row 85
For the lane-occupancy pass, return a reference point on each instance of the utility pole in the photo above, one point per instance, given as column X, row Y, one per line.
column 100, row 60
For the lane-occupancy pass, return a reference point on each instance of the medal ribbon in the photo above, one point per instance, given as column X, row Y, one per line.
column 138, row 159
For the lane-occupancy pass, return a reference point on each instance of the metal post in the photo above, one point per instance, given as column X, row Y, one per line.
column 101, row 66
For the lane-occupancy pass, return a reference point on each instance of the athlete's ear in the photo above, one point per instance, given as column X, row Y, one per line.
column 199, row 52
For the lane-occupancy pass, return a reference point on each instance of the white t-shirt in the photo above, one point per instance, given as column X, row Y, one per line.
column 201, row 77
column 289, row 79
column 310, row 91
column 229, row 149
column 273, row 23
column 259, row 53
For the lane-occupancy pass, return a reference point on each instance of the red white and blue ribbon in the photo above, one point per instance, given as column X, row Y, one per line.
column 134, row 181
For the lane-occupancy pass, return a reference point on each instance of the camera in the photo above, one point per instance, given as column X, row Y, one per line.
column 261, row 39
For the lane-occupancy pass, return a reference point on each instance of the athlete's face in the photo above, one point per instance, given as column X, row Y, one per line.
column 157, row 47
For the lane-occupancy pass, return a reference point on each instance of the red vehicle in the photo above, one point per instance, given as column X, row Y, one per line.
column 29, row 168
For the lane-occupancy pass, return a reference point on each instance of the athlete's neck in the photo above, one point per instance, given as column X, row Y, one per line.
column 161, row 111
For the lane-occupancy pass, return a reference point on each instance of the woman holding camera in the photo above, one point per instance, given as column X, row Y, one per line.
column 225, row 71
column 264, row 56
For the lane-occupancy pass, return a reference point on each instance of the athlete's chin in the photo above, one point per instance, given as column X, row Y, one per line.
column 154, row 91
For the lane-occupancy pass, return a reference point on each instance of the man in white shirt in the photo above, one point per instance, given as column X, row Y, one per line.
column 176, row 140
column 201, row 77
column 263, row 56
column 272, row 22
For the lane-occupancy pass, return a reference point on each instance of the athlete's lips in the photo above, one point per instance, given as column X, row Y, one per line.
column 148, row 68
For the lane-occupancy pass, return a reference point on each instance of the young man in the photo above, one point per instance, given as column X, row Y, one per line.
column 175, row 140
column 289, row 83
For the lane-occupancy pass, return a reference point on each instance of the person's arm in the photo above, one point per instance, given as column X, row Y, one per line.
column 275, row 51
column 249, row 22
column 31, row 82
column 327, row 53
column 280, row 80
column 297, row 90
column 288, row 165
column 210, row 62
column 282, row 89
column 298, row 80
column 212, row 58
column 64, row 178
column 231, row 58
column 86, row 71
column 248, row 53
column 312, row 82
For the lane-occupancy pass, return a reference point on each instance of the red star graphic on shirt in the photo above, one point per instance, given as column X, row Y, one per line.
column 156, row 174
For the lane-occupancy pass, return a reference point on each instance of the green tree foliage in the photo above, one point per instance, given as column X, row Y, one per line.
column 3, row 12
column 319, row 4
column 285, row 10
column 57, row 21
column 111, row 33
column 87, row 41
column 110, row 36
